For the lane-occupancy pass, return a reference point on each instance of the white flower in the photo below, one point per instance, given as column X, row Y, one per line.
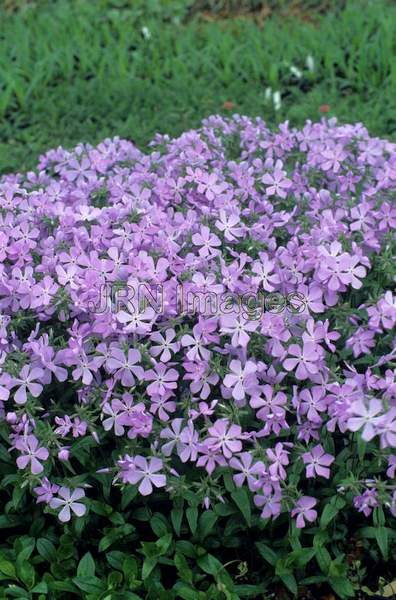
column 268, row 93
column 310, row 63
column 146, row 33
column 276, row 97
column 296, row 72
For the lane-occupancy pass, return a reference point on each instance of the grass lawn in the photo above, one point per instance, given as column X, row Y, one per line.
column 82, row 70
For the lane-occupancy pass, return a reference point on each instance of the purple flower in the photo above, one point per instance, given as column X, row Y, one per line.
column 249, row 470
column 238, row 328
column 279, row 459
column 137, row 322
column 45, row 491
column 263, row 273
column 366, row 502
column 317, row 462
column 207, row 241
column 139, row 469
column 165, row 345
column 241, row 379
column 277, row 183
column 229, row 224
column 305, row 360
column 361, row 341
column 32, row 453
column 303, row 511
column 125, row 368
column 365, row 416
column 391, row 470
column 225, row 437
column 67, row 502
column 27, row 383
column 163, row 379
column 134, row 274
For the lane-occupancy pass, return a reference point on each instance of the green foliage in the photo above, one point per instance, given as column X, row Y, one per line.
column 175, row 549
column 81, row 71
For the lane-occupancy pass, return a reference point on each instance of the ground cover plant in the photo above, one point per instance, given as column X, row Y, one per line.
column 80, row 71
column 238, row 443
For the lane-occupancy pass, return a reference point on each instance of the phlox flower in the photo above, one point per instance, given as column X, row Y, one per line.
column 249, row 470
column 317, row 462
column 304, row 511
column 241, row 379
column 225, row 437
column 363, row 415
column 304, row 360
column 163, row 379
column 67, row 502
column 143, row 471
column 27, row 382
column 31, row 453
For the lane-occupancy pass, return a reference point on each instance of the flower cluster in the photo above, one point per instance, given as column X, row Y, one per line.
column 166, row 400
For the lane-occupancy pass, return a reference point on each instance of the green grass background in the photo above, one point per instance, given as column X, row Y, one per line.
column 81, row 70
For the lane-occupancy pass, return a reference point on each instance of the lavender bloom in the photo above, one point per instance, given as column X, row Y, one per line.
column 32, row 454
column 317, row 462
column 305, row 361
column 27, row 383
column 241, row 379
column 45, row 491
column 67, row 502
column 304, row 511
column 197, row 375
column 366, row 417
column 139, row 469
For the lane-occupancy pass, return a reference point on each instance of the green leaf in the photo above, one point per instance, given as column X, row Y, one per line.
column 176, row 518
column 209, row 564
column 342, row 587
column 128, row 494
column 159, row 524
column 86, row 566
column 182, row 567
column 26, row 573
column 186, row 548
column 330, row 511
column 100, row 508
column 27, row 545
column 148, row 565
column 290, row 582
column 185, row 592
column 206, row 523
column 242, row 500
column 228, row 482
column 192, row 518
column 115, row 559
column 7, row 568
column 46, row 549
column 164, row 543
column 40, row 588
column 62, row 586
column 267, row 553
column 251, row 591
column 361, row 447
column 323, row 559
column 130, row 566
column 378, row 517
column 371, row 532
column 381, row 535
column 299, row 558
column 114, row 579
column 17, row 592
column 91, row 585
